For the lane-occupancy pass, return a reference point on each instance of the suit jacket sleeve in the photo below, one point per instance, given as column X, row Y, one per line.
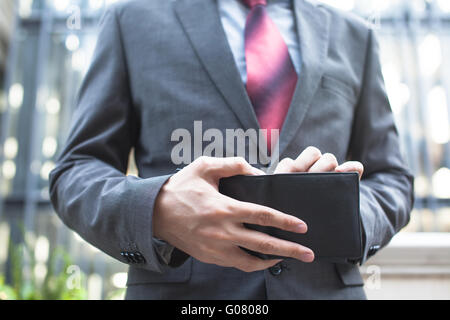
column 386, row 189
column 89, row 187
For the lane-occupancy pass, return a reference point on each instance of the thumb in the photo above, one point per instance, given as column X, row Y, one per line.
column 217, row 168
column 234, row 166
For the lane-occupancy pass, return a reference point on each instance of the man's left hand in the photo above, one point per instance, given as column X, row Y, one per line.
column 312, row 160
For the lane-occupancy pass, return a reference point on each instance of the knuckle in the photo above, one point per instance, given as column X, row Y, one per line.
column 201, row 159
column 294, row 252
column 209, row 162
column 226, row 209
column 220, row 214
column 223, row 234
column 240, row 163
column 204, row 208
column 359, row 165
column 207, row 234
column 199, row 193
column 287, row 161
column 203, row 162
column 264, row 218
column 315, row 152
column 330, row 158
column 266, row 247
column 287, row 223
column 285, row 165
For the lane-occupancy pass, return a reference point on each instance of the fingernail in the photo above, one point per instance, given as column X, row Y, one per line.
column 308, row 257
column 302, row 228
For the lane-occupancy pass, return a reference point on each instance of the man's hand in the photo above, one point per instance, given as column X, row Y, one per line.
column 193, row 216
column 312, row 160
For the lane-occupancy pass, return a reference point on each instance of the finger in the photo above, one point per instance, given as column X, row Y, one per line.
column 306, row 159
column 351, row 166
column 226, row 167
column 246, row 262
column 326, row 163
column 246, row 212
column 261, row 242
column 286, row 165
column 302, row 163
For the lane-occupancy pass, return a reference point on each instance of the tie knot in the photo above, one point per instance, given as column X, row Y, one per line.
column 253, row 3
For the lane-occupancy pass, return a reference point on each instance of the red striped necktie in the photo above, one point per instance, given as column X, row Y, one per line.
column 271, row 76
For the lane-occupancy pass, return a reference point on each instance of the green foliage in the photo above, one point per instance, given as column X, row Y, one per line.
column 118, row 294
column 57, row 284
column 6, row 292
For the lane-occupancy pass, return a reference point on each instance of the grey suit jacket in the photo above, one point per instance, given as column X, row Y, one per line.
column 161, row 65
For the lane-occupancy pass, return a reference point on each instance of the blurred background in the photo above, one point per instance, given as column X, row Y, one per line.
column 45, row 49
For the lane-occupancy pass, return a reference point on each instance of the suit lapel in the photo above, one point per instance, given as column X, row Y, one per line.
column 200, row 20
column 313, row 30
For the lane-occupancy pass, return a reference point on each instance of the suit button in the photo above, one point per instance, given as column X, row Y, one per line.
column 132, row 257
column 373, row 250
column 139, row 257
column 276, row 270
column 126, row 256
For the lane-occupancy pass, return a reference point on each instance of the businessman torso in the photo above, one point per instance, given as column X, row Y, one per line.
column 173, row 65
column 182, row 70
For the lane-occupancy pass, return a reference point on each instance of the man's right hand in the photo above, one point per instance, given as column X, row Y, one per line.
column 193, row 216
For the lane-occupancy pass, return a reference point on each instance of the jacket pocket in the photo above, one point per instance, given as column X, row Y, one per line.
column 349, row 274
column 169, row 274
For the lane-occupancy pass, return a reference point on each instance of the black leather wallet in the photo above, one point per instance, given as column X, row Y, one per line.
column 327, row 202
